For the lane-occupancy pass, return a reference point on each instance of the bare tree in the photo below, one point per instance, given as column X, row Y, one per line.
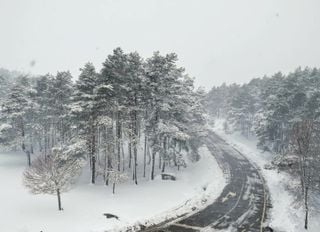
column 305, row 142
column 116, row 177
column 53, row 174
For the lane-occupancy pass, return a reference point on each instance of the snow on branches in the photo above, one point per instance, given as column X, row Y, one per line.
column 55, row 173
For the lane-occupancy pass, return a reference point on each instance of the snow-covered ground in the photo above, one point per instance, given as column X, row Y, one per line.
column 286, row 215
column 84, row 205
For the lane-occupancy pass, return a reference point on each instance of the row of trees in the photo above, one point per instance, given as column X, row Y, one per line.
column 283, row 111
column 135, row 117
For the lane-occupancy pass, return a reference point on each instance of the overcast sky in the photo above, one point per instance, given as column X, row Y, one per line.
column 216, row 41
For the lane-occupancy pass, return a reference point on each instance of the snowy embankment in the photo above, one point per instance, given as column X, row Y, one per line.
column 147, row 203
column 286, row 214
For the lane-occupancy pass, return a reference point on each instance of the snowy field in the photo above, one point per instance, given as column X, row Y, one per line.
column 84, row 205
column 286, row 215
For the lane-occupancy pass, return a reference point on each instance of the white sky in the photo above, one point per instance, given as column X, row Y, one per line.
column 216, row 41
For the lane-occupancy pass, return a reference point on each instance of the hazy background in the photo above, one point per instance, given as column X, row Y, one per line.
column 217, row 41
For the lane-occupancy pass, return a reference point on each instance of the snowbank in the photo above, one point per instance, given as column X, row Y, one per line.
column 149, row 202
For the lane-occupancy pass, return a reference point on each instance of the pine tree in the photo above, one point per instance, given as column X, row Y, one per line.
column 84, row 111
column 17, row 111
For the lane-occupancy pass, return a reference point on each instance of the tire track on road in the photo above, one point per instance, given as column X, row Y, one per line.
column 243, row 202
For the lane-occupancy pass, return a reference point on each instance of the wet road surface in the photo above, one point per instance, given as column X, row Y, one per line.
column 242, row 205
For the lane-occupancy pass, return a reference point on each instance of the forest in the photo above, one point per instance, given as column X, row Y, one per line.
column 283, row 113
column 130, row 120
column 137, row 118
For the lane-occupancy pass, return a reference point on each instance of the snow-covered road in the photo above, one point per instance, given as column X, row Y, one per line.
column 287, row 212
column 243, row 204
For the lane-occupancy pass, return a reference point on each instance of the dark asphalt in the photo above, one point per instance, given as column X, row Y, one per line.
column 243, row 203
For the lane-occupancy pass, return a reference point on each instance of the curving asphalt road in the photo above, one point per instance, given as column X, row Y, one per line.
column 243, row 204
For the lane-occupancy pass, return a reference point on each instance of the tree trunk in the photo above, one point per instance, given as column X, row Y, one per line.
column 129, row 150
column 93, row 155
column 114, row 188
column 148, row 153
column 155, row 143
column 135, row 164
column 111, row 152
column 118, row 128
column 93, row 172
column 23, row 146
column 163, row 167
column 306, row 208
column 40, row 145
column 31, row 143
column 45, row 144
column 180, row 148
column 153, row 164
column 59, row 199
column 29, row 158
column 145, row 156
column 123, row 160
column 135, row 151
column 165, row 154
column 174, row 153
column 109, row 166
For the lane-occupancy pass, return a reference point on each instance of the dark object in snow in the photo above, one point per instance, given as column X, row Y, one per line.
column 267, row 229
column 166, row 176
column 285, row 163
column 142, row 227
column 269, row 167
column 109, row 215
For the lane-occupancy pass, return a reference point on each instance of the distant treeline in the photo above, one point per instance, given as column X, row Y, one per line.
column 270, row 106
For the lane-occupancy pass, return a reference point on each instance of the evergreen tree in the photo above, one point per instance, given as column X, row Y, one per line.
column 84, row 111
column 17, row 110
